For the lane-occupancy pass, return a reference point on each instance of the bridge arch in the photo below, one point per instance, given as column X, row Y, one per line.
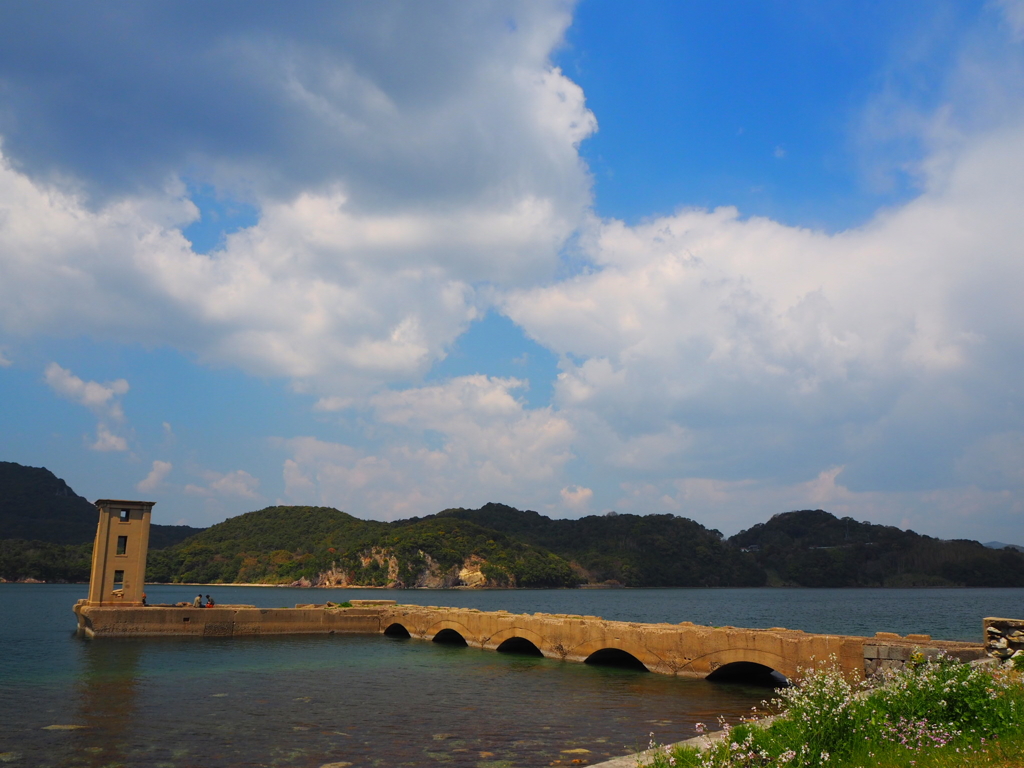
column 501, row 637
column 520, row 646
column 735, row 662
column 615, row 657
column 446, row 630
column 396, row 629
column 612, row 651
column 450, row 637
column 749, row 672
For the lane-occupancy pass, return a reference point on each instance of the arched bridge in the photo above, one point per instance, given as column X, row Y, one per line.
column 674, row 649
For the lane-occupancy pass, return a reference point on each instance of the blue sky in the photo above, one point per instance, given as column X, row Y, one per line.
column 718, row 260
column 758, row 105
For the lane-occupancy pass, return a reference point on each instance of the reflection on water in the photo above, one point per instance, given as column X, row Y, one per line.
column 106, row 694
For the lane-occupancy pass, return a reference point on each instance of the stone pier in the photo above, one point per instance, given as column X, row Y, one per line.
column 685, row 649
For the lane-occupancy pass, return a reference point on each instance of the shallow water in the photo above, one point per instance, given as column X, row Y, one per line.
column 369, row 700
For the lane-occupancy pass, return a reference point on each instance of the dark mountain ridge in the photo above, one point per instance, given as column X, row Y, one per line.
column 36, row 505
column 816, row 548
column 46, row 533
column 1003, row 545
column 632, row 550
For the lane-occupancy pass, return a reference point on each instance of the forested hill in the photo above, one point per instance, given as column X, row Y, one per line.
column 321, row 546
column 36, row 505
column 632, row 550
column 46, row 532
column 813, row 548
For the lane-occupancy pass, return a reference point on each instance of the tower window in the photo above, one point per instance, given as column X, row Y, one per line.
column 125, row 514
column 118, row 579
column 122, row 545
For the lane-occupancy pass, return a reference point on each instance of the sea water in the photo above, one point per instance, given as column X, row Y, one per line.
column 370, row 700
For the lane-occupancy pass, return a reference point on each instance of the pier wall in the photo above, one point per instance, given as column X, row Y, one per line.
column 223, row 621
column 685, row 649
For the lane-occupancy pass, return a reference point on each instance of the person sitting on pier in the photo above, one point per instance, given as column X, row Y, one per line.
column 209, row 602
column 198, row 602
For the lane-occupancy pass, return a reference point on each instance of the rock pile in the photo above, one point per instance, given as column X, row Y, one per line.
column 1004, row 638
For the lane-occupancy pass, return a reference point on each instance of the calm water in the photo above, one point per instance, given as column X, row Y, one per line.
column 368, row 700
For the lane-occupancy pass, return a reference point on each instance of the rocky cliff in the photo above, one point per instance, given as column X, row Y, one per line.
column 470, row 573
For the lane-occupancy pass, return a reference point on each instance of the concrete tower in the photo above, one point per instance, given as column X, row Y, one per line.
column 119, row 553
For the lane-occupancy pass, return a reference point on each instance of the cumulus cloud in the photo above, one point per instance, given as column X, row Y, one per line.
column 394, row 172
column 330, row 404
column 708, row 359
column 238, row 484
column 107, row 440
column 104, row 400
column 157, row 474
column 576, row 499
column 257, row 305
column 412, row 164
column 466, row 441
column 401, row 101
column 947, row 511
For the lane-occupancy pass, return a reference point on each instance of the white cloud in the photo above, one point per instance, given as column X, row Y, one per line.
column 107, row 440
column 743, row 353
column 330, row 404
column 411, row 165
column 157, row 474
column 231, row 484
column 419, row 105
column 770, row 298
column 4, row 360
column 950, row 512
column 576, row 498
column 464, row 442
column 101, row 399
column 485, row 428
column 382, row 211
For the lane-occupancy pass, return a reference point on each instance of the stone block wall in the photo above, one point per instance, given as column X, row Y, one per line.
column 1004, row 638
column 888, row 650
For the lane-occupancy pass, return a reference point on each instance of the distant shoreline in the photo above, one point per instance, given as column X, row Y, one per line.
column 502, row 589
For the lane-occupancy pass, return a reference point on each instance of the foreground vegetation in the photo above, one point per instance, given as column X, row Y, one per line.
column 936, row 714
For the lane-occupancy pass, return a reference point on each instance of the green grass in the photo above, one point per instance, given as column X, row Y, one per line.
column 937, row 714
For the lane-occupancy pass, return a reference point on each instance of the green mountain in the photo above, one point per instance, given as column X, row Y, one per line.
column 323, row 546
column 36, row 505
column 632, row 550
column 47, row 530
column 813, row 548
column 46, row 533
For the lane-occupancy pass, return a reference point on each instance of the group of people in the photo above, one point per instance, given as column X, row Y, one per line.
column 198, row 602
